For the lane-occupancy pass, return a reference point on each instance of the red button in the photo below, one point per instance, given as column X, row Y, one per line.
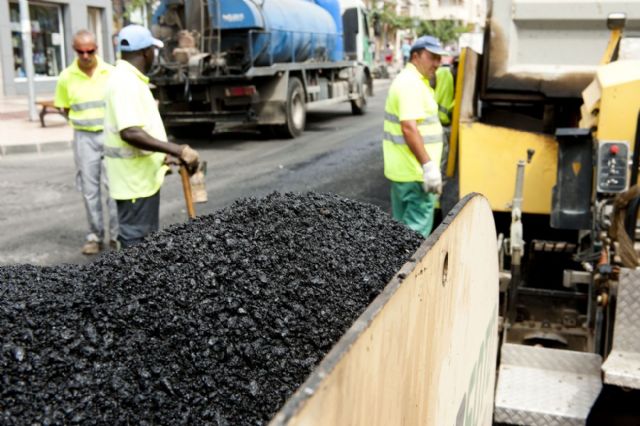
column 614, row 149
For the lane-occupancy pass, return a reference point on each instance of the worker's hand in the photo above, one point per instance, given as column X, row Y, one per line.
column 170, row 160
column 189, row 157
column 432, row 178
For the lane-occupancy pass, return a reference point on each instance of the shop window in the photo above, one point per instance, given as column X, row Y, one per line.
column 46, row 35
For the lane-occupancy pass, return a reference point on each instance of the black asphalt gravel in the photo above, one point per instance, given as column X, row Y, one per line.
column 216, row 321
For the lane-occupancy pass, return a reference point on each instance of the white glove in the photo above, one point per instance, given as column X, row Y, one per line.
column 432, row 178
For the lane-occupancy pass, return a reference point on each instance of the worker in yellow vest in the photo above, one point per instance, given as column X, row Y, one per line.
column 443, row 87
column 136, row 142
column 412, row 138
column 80, row 92
column 444, row 94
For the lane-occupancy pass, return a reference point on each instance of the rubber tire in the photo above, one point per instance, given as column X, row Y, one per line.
column 296, row 110
column 359, row 106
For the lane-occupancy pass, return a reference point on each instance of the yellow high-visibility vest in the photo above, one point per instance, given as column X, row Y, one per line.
column 410, row 98
column 444, row 94
column 132, row 173
column 83, row 96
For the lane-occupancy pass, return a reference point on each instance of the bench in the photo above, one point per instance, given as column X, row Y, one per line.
column 48, row 108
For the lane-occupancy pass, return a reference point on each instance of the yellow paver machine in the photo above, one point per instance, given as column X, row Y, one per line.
column 546, row 127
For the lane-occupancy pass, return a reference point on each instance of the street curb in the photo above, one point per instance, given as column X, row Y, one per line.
column 34, row 148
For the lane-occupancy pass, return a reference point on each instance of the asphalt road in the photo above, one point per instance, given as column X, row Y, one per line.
column 42, row 218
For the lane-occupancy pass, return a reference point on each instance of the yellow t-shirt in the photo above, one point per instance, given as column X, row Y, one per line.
column 132, row 173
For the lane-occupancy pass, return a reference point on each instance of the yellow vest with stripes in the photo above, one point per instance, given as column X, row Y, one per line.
column 410, row 98
column 132, row 172
column 444, row 94
column 83, row 96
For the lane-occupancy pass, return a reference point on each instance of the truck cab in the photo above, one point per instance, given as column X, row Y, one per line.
column 357, row 39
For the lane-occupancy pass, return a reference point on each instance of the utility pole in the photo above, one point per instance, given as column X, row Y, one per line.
column 27, row 57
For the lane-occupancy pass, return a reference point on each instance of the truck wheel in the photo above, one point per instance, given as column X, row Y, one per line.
column 359, row 106
column 296, row 110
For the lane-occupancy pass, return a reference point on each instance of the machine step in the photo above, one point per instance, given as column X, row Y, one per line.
column 622, row 367
column 542, row 386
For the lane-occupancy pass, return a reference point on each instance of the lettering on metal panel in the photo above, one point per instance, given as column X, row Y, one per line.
column 233, row 17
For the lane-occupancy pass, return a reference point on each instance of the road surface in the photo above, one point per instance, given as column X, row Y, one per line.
column 42, row 219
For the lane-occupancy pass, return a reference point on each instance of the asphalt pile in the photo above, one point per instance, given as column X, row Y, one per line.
column 216, row 321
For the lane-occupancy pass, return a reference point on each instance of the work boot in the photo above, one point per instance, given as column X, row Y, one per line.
column 114, row 245
column 91, row 247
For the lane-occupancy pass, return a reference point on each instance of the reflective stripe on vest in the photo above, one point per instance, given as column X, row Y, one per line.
column 87, row 105
column 87, row 123
column 124, row 152
column 427, row 139
column 443, row 109
column 396, row 120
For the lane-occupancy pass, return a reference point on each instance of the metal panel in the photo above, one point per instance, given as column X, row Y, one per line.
column 523, row 31
column 622, row 367
column 541, row 386
column 501, row 148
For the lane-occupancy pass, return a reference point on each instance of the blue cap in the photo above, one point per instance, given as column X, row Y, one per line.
column 432, row 44
column 136, row 37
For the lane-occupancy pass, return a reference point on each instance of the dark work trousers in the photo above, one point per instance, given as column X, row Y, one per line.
column 138, row 218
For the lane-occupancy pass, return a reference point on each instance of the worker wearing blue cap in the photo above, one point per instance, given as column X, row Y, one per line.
column 136, row 142
column 413, row 140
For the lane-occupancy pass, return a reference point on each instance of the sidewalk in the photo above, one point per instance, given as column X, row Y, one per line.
column 19, row 135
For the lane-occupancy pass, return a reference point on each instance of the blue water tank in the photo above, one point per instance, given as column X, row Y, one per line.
column 333, row 7
column 279, row 30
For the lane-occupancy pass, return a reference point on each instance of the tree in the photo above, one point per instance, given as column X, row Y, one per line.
column 386, row 20
column 122, row 11
column 445, row 30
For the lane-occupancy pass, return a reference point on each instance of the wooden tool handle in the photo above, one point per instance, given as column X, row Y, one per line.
column 186, row 187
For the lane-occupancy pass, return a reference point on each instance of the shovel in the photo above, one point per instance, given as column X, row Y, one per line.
column 186, row 187
column 194, row 187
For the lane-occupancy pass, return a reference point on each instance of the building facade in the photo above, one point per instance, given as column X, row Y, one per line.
column 466, row 11
column 53, row 23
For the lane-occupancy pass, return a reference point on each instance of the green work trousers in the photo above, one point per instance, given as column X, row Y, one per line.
column 412, row 206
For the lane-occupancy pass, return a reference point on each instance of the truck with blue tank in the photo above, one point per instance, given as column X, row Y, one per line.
column 262, row 63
